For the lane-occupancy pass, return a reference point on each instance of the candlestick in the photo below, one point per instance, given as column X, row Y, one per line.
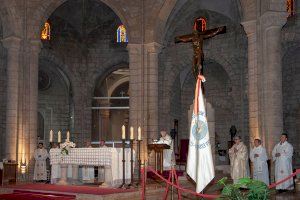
column 139, row 133
column 123, row 132
column 131, row 133
column 68, row 136
column 51, row 136
column 59, row 137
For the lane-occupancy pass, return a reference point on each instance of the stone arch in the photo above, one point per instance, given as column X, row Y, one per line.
column 46, row 8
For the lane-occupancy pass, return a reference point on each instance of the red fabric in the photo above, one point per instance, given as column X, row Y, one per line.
column 68, row 189
column 183, row 151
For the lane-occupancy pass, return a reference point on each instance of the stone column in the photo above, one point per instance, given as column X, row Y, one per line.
column 12, row 44
column 152, row 51
column 272, row 23
column 250, row 29
column 35, row 47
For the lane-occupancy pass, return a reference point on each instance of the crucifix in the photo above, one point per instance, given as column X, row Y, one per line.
column 199, row 34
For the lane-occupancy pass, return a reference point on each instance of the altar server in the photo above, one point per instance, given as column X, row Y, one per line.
column 282, row 155
column 88, row 174
column 258, row 156
column 40, row 156
column 238, row 155
column 167, row 153
column 55, row 169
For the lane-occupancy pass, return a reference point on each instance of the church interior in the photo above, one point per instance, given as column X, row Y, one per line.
column 80, row 70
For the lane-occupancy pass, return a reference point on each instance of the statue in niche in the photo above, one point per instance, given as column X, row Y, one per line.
column 199, row 34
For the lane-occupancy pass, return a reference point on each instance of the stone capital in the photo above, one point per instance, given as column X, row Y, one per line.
column 249, row 27
column 12, row 42
column 273, row 19
column 153, row 47
column 134, row 48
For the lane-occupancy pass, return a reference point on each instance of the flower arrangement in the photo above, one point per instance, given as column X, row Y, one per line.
column 65, row 147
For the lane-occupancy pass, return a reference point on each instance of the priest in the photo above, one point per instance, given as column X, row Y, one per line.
column 168, row 154
column 55, row 168
column 259, row 158
column 238, row 155
column 88, row 173
column 40, row 156
column 282, row 155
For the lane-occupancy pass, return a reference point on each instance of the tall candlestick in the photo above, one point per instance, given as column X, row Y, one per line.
column 68, row 136
column 59, row 137
column 123, row 132
column 139, row 133
column 51, row 136
column 131, row 133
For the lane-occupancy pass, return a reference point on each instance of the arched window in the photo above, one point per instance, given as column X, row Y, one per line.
column 290, row 7
column 45, row 35
column 121, row 34
column 200, row 24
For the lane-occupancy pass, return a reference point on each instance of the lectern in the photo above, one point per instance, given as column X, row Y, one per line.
column 158, row 149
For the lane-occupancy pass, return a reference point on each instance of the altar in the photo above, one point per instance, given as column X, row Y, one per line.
column 108, row 157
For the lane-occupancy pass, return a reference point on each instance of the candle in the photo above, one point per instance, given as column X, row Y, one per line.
column 51, row 136
column 139, row 133
column 59, row 137
column 131, row 133
column 68, row 136
column 123, row 132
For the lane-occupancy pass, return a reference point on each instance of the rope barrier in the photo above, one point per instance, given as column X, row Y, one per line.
column 208, row 196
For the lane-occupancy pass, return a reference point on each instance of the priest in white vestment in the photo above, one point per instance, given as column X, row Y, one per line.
column 40, row 170
column 55, row 169
column 168, row 154
column 259, row 158
column 88, row 174
column 238, row 155
column 282, row 155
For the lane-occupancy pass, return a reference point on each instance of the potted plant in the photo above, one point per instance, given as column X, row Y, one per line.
column 244, row 189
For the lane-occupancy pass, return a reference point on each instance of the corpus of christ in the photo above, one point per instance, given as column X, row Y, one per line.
column 143, row 99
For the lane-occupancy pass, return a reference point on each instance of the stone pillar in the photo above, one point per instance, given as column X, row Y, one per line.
column 35, row 47
column 152, row 51
column 272, row 23
column 12, row 44
column 253, row 96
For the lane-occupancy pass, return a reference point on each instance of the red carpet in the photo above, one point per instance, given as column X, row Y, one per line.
column 24, row 195
column 63, row 189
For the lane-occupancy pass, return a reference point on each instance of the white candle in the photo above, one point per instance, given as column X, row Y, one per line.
column 51, row 136
column 68, row 136
column 123, row 132
column 131, row 133
column 59, row 137
column 139, row 133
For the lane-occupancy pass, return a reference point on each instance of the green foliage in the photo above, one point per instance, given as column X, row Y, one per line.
column 244, row 189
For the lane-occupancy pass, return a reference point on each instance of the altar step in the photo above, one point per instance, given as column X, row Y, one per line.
column 27, row 195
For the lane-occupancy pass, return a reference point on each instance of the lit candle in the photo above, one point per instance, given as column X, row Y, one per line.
column 68, row 136
column 131, row 133
column 59, row 137
column 51, row 136
column 123, row 132
column 139, row 133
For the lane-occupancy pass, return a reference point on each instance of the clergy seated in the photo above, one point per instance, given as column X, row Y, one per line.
column 40, row 156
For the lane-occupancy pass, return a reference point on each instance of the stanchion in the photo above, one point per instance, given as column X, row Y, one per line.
column 131, row 163
column 123, row 186
column 139, row 160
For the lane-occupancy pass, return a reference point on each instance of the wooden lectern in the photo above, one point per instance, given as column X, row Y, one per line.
column 158, row 149
column 8, row 175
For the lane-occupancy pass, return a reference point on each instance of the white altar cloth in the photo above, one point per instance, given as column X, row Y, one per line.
column 97, row 157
